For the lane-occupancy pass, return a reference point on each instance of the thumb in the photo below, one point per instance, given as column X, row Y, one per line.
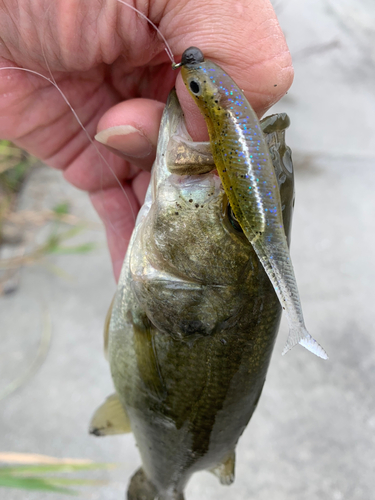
column 242, row 37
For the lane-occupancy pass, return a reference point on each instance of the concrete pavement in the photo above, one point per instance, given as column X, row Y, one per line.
column 313, row 434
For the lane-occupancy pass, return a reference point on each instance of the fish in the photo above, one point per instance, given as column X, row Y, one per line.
column 245, row 167
column 191, row 329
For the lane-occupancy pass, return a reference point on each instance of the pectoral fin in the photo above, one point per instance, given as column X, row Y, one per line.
column 225, row 470
column 147, row 359
column 110, row 418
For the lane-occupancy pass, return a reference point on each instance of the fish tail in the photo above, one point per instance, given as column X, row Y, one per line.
column 141, row 488
column 301, row 336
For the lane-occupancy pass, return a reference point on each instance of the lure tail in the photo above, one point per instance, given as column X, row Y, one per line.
column 302, row 337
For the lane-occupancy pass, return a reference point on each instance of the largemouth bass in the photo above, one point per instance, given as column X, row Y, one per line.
column 194, row 320
column 248, row 176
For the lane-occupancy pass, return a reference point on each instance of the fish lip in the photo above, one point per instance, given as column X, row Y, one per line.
column 176, row 125
column 180, row 130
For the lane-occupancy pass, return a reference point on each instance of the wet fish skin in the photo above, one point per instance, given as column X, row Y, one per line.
column 193, row 324
column 247, row 173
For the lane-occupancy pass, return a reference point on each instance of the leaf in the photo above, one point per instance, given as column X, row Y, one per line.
column 33, row 458
column 52, row 468
column 6, row 148
column 84, row 248
column 61, row 208
column 13, row 177
column 32, row 483
column 33, row 477
column 73, row 231
column 61, row 273
column 76, row 482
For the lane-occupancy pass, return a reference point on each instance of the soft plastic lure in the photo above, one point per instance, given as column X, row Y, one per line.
column 243, row 162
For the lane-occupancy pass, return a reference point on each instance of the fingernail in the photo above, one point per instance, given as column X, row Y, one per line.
column 126, row 139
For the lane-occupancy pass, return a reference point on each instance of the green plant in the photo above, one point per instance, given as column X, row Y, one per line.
column 14, row 164
column 43, row 477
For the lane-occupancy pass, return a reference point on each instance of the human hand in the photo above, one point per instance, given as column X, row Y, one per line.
column 113, row 69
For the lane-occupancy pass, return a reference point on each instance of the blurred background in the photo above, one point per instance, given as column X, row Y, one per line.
column 313, row 434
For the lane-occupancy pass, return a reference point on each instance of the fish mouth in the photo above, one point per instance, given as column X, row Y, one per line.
column 188, row 159
column 190, row 163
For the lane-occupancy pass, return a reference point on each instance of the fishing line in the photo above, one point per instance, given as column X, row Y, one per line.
column 167, row 46
column 53, row 82
column 44, row 344
column 89, row 137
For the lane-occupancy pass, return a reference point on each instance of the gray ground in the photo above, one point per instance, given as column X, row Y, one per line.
column 312, row 436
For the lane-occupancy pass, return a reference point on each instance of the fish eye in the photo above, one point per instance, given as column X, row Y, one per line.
column 233, row 220
column 194, row 87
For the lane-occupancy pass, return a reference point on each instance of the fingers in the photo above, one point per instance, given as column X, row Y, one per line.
column 243, row 37
column 35, row 114
column 130, row 129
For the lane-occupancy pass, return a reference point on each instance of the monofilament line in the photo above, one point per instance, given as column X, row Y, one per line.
column 167, row 47
column 52, row 82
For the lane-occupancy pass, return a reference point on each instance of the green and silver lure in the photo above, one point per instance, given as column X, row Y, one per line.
column 244, row 165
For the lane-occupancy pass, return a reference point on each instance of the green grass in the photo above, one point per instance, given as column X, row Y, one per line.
column 14, row 167
column 45, row 478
